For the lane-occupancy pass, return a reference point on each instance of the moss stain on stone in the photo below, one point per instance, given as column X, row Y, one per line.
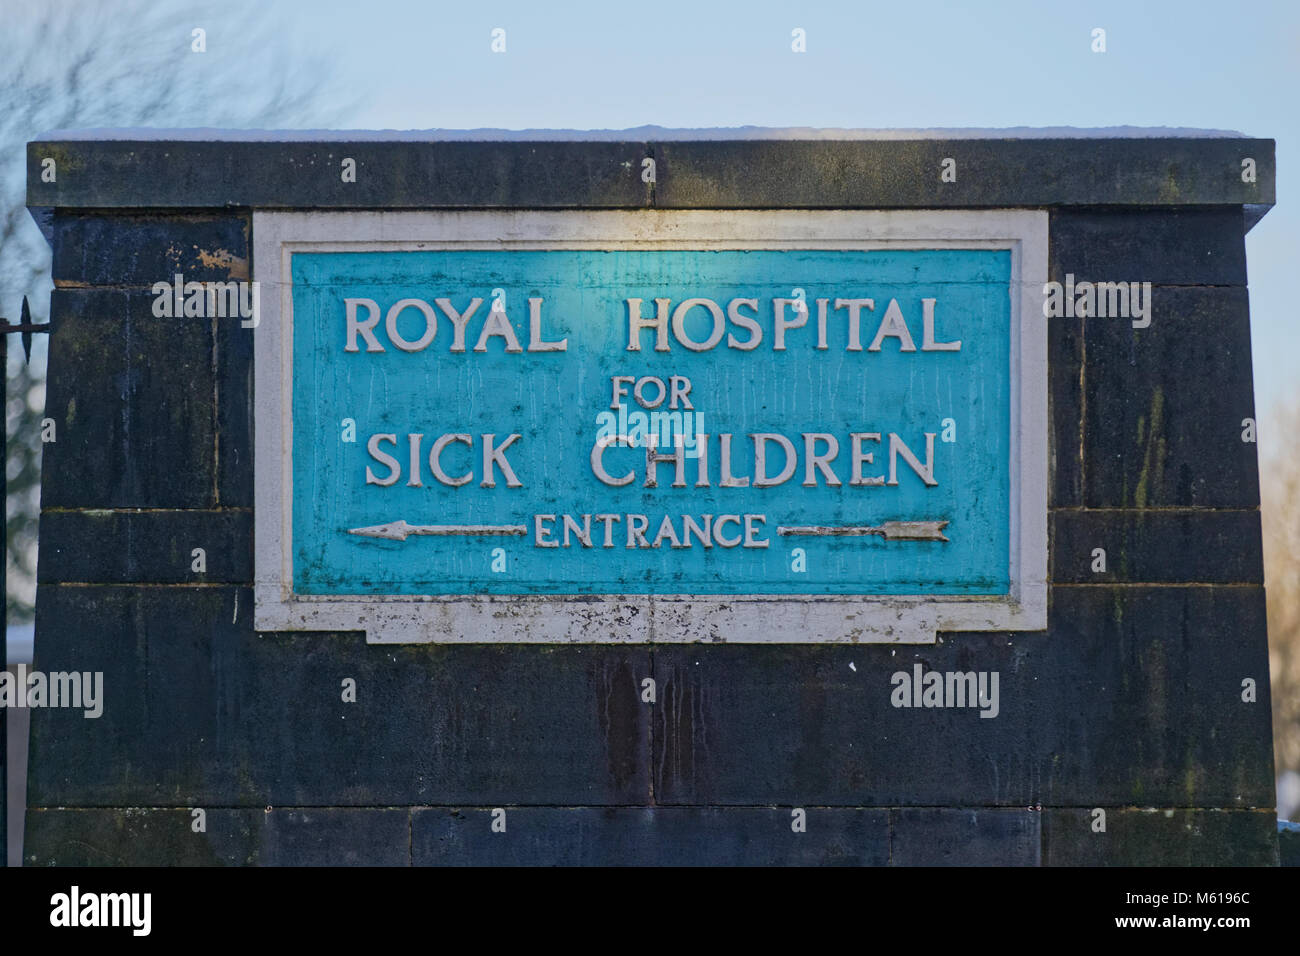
column 1151, row 440
column 1170, row 190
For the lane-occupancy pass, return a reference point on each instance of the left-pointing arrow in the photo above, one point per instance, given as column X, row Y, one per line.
column 399, row 530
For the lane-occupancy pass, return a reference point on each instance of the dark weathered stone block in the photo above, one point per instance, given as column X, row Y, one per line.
column 335, row 836
column 1167, row 246
column 130, row 836
column 798, row 725
column 201, row 710
column 234, row 413
column 926, row 836
column 650, row 836
column 396, row 175
column 1065, row 414
column 141, row 249
column 146, row 546
column 1165, row 405
column 1164, row 837
column 166, row 837
column 1212, row 547
column 131, row 396
column 1142, row 698
column 1152, row 677
column 858, row 172
column 990, row 172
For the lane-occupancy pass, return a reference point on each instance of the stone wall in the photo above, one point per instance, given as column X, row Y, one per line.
column 1130, row 702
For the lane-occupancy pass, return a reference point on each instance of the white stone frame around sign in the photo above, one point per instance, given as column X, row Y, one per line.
column 648, row 618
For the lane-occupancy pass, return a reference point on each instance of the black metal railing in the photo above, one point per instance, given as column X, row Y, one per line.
column 25, row 329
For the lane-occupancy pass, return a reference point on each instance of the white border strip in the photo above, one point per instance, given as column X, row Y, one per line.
column 675, row 618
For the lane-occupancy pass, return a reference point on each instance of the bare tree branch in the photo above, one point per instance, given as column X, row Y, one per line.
column 128, row 63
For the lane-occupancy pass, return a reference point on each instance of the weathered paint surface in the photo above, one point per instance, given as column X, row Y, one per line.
column 552, row 400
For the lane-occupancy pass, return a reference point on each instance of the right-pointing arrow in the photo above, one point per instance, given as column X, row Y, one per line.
column 890, row 530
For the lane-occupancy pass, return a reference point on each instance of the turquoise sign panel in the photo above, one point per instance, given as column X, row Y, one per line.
column 578, row 421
